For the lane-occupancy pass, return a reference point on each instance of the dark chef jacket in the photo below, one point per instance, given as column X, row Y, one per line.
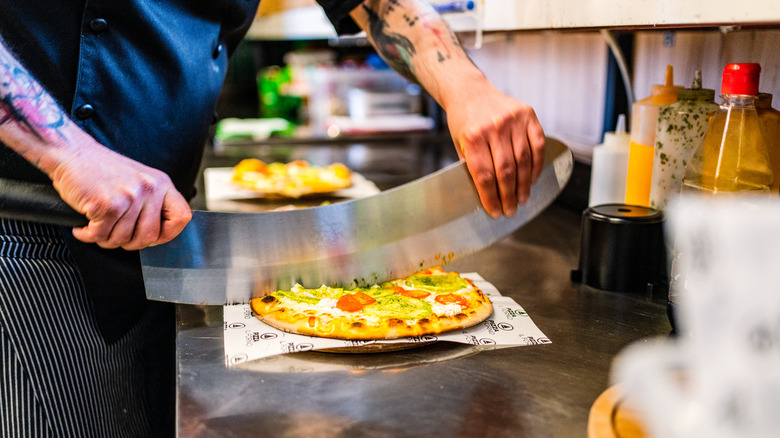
column 142, row 77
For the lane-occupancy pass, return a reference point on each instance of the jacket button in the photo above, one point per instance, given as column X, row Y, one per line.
column 217, row 51
column 85, row 111
column 98, row 25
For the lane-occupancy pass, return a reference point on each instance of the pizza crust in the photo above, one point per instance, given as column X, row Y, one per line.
column 307, row 320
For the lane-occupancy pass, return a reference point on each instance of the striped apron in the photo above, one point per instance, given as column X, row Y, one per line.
column 58, row 377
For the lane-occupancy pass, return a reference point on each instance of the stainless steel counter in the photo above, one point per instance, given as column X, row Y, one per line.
column 441, row 389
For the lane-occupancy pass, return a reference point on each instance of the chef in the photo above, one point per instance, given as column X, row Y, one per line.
column 111, row 101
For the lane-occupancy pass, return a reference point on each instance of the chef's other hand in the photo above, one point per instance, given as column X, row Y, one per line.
column 503, row 145
column 128, row 204
column 499, row 137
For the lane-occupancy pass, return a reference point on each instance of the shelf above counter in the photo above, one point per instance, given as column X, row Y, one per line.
column 303, row 23
column 309, row 22
column 566, row 14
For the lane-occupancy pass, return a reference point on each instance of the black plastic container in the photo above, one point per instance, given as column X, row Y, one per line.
column 623, row 249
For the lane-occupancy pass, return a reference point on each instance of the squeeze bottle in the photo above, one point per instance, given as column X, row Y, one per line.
column 732, row 159
column 769, row 118
column 733, row 156
column 643, row 123
column 609, row 167
column 681, row 128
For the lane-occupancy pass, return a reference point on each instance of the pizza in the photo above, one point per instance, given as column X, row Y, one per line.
column 428, row 302
column 292, row 180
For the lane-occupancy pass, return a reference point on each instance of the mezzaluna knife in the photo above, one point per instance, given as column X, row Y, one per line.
column 229, row 258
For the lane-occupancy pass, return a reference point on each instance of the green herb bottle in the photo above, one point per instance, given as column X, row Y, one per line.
column 681, row 127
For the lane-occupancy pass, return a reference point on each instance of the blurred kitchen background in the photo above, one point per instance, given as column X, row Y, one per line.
column 295, row 91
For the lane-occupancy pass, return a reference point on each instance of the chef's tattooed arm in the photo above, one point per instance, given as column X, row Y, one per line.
column 388, row 24
column 128, row 204
column 26, row 109
column 499, row 136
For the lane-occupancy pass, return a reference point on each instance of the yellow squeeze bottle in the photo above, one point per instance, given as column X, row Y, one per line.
column 644, row 120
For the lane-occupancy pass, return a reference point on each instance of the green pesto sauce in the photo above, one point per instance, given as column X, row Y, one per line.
column 388, row 304
column 436, row 283
column 398, row 306
column 377, row 292
column 311, row 296
column 286, row 295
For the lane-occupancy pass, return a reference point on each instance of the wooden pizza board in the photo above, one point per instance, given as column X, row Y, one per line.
column 612, row 416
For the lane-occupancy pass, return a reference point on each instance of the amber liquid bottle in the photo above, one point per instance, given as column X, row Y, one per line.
column 732, row 160
column 769, row 118
column 733, row 156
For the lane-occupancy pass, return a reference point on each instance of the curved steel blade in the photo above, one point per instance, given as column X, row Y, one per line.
column 224, row 258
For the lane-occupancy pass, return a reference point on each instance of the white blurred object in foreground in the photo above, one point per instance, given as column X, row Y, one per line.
column 721, row 377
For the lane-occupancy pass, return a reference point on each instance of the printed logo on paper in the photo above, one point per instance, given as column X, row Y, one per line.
column 237, row 359
column 493, row 327
column 514, row 313
column 291, row 347
column 530, row 340
column 424, row 338
column 358, row 342
column 473, row 340
column 505, row 326
column 304, row 347
column 253, row 337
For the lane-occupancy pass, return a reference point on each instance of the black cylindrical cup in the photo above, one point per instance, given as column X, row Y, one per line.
column 622, row 249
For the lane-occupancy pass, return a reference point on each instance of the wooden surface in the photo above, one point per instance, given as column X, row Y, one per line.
column 611, row 416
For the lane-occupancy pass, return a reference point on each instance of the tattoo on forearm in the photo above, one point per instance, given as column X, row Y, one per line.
column 396, row 49
column 9, row 113
column 442, row 49
column 25, row 103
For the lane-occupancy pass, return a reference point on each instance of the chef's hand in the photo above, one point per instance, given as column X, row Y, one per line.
column 499, row 137
column 128, row 204
column 503, row 145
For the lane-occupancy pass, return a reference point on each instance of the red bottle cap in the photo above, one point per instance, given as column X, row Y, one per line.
column 741, row 79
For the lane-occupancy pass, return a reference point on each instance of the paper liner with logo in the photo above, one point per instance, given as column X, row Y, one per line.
column 247, row 338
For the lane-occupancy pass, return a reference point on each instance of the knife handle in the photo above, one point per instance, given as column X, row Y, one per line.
column 33, row 202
